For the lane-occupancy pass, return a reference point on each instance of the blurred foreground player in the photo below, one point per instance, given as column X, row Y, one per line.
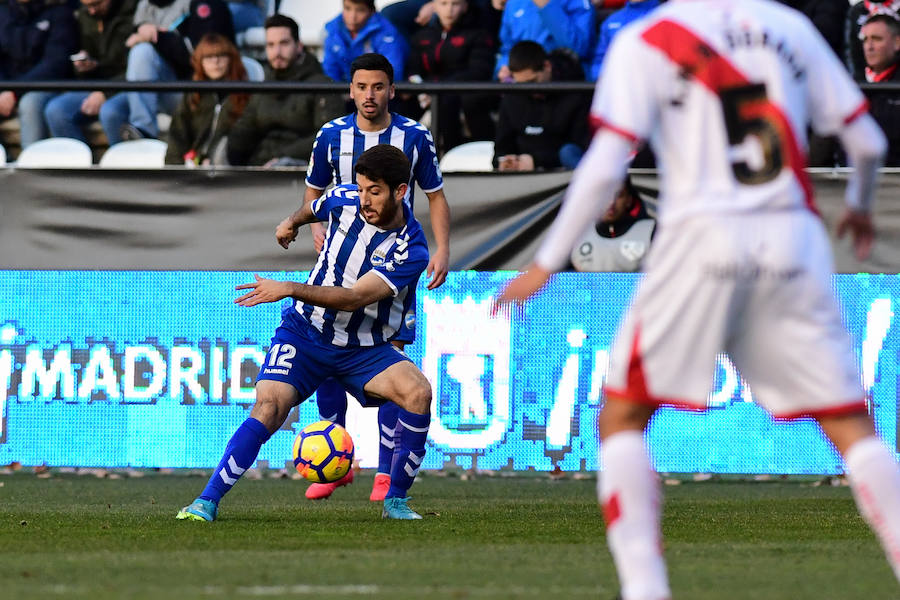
column 341, row 326
column 741, row 261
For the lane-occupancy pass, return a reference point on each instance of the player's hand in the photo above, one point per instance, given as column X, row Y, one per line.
column 318, row 233
column 286, row 232
column 262, row 291
column 437, row 268
column 520, row 289
column 862, row 232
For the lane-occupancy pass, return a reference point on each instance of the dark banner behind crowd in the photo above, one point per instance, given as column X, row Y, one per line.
column 182, row 219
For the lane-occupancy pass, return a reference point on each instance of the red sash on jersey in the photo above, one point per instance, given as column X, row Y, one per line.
column 696, row 57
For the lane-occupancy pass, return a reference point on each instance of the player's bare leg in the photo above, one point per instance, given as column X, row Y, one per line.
column 406, row 386
column 630, row 496
column 274, row 401
column 874, row 478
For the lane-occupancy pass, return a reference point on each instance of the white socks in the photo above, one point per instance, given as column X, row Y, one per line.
column 875, row 479
column 630, row 497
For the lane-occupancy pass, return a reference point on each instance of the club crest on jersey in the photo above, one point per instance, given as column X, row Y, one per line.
column 410, row 320
column 379, row 255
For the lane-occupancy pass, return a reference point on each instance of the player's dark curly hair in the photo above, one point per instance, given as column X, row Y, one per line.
column 385, row 163
column 372, row 61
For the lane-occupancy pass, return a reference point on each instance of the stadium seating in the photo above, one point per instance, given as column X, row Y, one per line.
column 472, row 157
column 55, row 153
column 135, row 154
column 254, row 38
column 255, row 70
column 312, row 17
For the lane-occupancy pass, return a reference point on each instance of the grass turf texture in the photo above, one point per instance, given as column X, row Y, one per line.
column 508, row 537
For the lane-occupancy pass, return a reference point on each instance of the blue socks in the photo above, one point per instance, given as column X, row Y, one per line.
column 409, row 451
column 387, row 423
column 241, row 451
column 332, row 400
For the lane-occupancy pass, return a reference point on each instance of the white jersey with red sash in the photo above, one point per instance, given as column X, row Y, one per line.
column 741, row 264
column 723, row 90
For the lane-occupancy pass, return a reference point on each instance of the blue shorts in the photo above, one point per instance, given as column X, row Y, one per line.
column 300, row 357
column 407, row 333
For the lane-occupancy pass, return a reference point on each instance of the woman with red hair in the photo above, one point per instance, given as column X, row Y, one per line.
column 203, row 119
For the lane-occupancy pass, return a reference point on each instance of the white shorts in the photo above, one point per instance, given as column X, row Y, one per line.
column 755, row 286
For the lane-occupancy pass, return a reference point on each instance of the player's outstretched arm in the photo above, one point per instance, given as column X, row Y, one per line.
column 590, row 192
column 439, row 263
column 368, row 289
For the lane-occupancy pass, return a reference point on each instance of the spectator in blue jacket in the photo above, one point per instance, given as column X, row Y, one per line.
column 632, row 11
column 551, row 23
column 36, row 39
column 356, row 31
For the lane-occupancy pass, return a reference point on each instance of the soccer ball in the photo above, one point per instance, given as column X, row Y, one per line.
column 323, row 452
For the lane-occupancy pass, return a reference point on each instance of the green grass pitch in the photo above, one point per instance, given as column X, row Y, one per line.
column 74, row 536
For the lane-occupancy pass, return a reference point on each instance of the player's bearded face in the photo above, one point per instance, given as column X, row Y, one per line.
column 371, row 91
column 378, row 205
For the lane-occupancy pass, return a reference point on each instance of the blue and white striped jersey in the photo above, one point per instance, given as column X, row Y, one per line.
column 352, row 248
column 340, row 142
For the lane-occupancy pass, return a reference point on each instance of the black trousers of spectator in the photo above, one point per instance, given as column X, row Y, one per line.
column 475, row 108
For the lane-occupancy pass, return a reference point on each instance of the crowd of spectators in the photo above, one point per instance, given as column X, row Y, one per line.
column 279, row 129
column 425, row 41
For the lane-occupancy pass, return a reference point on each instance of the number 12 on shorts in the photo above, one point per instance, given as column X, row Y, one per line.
column 280, row 355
